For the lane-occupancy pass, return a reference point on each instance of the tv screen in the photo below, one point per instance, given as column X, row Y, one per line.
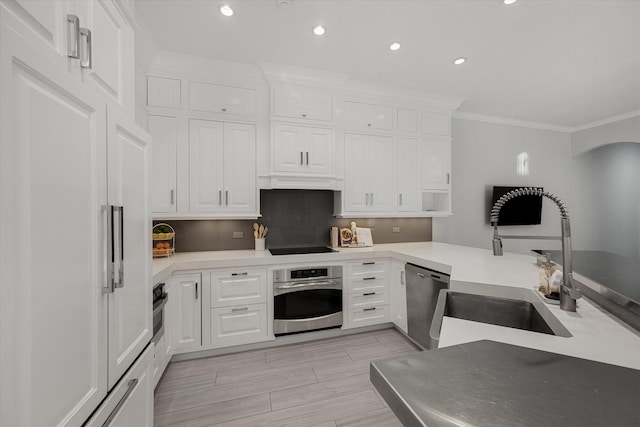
column 523, row 210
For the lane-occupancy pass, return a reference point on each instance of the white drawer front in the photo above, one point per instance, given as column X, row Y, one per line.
column 238, row 325
column 222, row 99
column 366, row 284
column 369, row 316
column 241, row 287
column 367, row 269
column 370, row 298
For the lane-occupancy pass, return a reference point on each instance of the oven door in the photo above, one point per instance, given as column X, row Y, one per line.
column 306, row 306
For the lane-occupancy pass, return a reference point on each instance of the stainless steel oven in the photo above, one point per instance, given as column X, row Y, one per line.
column 307, row 299
column 160, row 298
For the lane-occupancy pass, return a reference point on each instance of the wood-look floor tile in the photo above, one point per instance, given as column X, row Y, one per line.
column 332, row 371
column 176, row 383
column 378, row 350
column 377, row 418
column 201, row 416
column 327, row 424
column 318, row 347
column 189, row 398
column 314, row 413
column 320, row 391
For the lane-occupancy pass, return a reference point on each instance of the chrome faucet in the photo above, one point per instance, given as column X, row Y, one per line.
column 568, row 291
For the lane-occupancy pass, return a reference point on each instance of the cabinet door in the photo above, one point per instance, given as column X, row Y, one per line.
column 112, row 43
column 288, row 151
column 186, row 310
column 240, row 180
column 206, row 176
column 398, row 293
column 407, row 173
column 302, row 103
column 369, row 116
column 164, row 136
column 319, row 151
column 435, row 167
column 130, row 327
column 222, row 99
column 238, row 325
column 46, row 19
column 356, row 173
column 52, row 312
column 381, row 171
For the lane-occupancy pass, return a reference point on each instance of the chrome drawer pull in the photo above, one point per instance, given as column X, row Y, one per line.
column 368, row 309
column 368, row 294
column 239, row 274
column 368, row 263
column 131, row 385
column 368, row 278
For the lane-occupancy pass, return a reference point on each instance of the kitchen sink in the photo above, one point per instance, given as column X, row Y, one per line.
column 520, row 310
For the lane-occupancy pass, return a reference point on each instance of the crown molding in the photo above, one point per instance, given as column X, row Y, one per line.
column 608, row 120
column 511, row 122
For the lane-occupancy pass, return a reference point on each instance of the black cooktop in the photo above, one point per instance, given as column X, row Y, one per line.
column 304, row 250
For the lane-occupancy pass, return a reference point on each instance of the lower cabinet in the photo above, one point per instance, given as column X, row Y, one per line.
column 186, row 312
column 398, row 295
column 238, row 325
column 366, row 300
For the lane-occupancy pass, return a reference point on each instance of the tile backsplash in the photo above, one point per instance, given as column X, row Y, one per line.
column 294, row 218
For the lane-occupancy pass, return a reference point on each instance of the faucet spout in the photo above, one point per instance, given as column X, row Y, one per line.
column 568, row 291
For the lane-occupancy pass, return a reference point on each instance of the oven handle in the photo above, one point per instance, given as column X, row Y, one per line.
column 161, row 306
column 307, row 284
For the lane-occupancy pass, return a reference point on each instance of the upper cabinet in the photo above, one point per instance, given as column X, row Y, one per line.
column 220, row 99
column 302, row 149
column 366, row 116
column 436, row 123
column 302, row 103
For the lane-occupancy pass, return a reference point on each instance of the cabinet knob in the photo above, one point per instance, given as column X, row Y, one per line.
column 224, row 110
column 304, row 115
column 369, row 124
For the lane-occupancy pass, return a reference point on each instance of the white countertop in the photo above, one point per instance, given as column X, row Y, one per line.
column 597, row 335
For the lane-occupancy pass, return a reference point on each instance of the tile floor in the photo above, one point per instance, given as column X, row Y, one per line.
column 322, row 383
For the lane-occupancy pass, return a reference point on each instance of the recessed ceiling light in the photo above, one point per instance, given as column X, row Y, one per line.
column 226, row 10
column 318, row 30
column 508, row 2
column 459, row 61
column 394, row 46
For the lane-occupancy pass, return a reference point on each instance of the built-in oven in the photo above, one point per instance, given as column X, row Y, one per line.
column 307, row 299
column 160, row 298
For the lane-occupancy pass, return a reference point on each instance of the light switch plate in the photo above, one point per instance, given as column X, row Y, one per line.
column 238, row 234
column 395, row 230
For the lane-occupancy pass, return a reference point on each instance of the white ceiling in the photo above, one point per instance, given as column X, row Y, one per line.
column 562, row 62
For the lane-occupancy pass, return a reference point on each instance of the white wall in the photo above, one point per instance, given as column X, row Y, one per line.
column 484, row 155
column 626, row 130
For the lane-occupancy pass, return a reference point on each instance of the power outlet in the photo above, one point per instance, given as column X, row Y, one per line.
column 395, row 230
column 238, row 234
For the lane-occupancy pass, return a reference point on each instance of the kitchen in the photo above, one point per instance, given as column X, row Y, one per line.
column 389, row 153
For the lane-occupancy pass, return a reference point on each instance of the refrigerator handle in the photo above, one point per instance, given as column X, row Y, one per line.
column 108, row 289
column 120, row 275
column 131, row 385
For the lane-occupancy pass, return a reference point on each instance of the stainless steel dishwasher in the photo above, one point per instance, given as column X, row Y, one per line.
column 423, row 287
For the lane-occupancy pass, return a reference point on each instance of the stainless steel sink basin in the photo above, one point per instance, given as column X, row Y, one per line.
column 521, row 310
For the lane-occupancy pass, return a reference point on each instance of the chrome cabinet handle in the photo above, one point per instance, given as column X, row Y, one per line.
column 73, row 36
column 366, row 199
column 304, row 115
column 220, row 197
column 235, row 310
column 368, row 278
column 196, row 290
column 240, row 274
column 307, row 158
column 448, row 178
column 109, row 288
column 301, row 157
column 131, row 385
column 400, row 199
column 120, row 283
column 85, row 50
column 368, row 294
column 224, row 110
column 308, row 284
column 420, row 275
column 402, row 277
column 172, row 196
column 369, row 263
column 226, row 197
column 369, row 309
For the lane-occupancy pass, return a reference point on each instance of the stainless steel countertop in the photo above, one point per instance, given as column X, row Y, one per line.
column 486, row 383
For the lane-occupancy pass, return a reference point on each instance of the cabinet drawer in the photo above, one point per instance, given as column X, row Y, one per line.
column 367, row 284
column 369, row 316
column 230, row 288
column 369, row 116
column 302, row 103
column 222, row 99
column 368, row 298
column 367, row 269
column 238, row 325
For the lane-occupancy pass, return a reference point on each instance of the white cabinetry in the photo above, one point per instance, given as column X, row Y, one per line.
column 238, row 307
column 398, row 295
column 407, row 175
column 220, row 99
column 304, row 103
column 366, row 116
column 186, row 307
column 163, row 92
column 435, row 157
column 436, row 123
column 303, row 150
column 164, row 134
column 78, row 310
column 368, row 177
column 367, row 298
column 222, row 167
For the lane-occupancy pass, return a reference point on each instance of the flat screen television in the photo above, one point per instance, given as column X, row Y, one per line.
column 523, row 210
